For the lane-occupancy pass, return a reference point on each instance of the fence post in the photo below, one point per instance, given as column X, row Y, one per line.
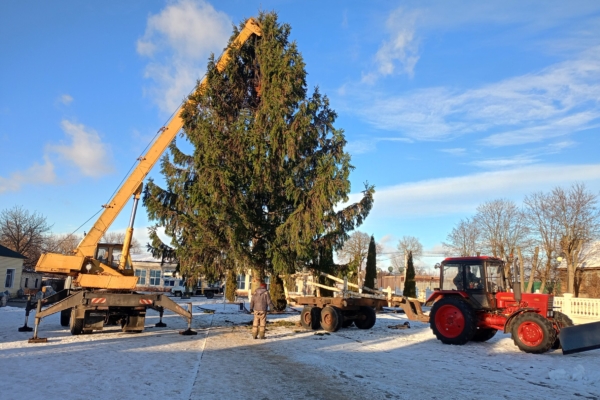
column 566, row 307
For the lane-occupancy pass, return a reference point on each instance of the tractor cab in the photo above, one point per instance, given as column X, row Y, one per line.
column 479, row 278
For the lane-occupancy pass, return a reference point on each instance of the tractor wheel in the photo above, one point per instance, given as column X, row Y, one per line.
column 484, row 334
column 452, row 320
column 75, row 324
column 366, row 318
column 562, row 321
column 65, row 317
column 533, row 333
column 330, row 319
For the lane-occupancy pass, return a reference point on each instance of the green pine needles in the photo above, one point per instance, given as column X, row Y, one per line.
column 267, row 169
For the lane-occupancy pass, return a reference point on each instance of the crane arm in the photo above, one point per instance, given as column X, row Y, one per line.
column 87, row 247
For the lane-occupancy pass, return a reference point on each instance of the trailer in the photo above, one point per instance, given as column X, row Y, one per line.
column 352, row 308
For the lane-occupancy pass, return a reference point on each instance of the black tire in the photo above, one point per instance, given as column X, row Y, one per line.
column 347, row 323
column 306, row 317
column 210, row 294
column 484, row 334
column 75, row 324
column 560, row 321
column 453, row 320
column 533, row 333
column 366, row 318
column 65, row 317
column 330, row 319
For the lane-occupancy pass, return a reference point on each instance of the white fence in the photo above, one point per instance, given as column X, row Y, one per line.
column 580, row 310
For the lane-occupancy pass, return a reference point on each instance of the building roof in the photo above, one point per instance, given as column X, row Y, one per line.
column 6, row 252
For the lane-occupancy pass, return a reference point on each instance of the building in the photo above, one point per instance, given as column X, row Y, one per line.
column 11, row 270
column 153, row 276
column 31, row 282
column 587, row 274
column 396, row 282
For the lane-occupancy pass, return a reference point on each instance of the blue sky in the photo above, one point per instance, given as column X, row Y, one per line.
column 445, row 105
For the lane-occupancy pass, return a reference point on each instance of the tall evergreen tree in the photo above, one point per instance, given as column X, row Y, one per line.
column 267, row 169
column 371, row 270
column 410, row 286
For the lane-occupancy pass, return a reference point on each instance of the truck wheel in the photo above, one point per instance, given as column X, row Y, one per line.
column 330, row 319
column 210, row 295
column 75, row 324
column 484, row 334
column 533, row 333
column 561, row 321
column 65, row 317
column 366, row 318
column 452, row 320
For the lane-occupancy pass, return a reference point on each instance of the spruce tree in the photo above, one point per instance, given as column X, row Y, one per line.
column 267, row 168
column 230, row 285
column 371, row 270
column 277, row 294
column 410, row 286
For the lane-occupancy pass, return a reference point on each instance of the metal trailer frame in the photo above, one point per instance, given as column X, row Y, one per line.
column 333, row 313
column 87, row 310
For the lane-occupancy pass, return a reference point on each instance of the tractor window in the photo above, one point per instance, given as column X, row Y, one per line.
column 494, row 277
column 450, row 275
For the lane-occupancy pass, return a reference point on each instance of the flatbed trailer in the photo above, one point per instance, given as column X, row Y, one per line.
column 348, row 308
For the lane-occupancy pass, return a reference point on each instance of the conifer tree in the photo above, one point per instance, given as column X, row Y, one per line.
column 410, row 286
column 371, row 270
column 267, row 168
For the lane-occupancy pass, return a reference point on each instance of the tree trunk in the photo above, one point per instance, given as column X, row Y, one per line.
column 534, row 262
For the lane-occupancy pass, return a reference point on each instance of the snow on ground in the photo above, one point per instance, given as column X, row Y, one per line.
column 224, row 362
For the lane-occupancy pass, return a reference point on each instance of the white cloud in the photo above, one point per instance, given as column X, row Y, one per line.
column 85, row 150
column 458, row 151
column 398, row 54
column 178, row 41
column 35, row 175
column 369, row 145
column 65, row 99
column 446, row 196
column 551, row 103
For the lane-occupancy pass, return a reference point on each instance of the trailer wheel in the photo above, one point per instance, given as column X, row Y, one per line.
column 209, row 294
column 65, row 317
column 562, row 321
column 347, row 323
column 366, row 318
column 484, row 334
column 452, row 320
column 330, row 319
column 306, row 317
column 75, row 324
column 533, row 333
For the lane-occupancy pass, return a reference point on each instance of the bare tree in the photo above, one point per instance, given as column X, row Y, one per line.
column 406, row 245
column 578, row 218
column 464, row 240
column 24, row 233
column 62, row 244
column 545, row 228
column 119, row 237
column 355, row 250
column 503, row 227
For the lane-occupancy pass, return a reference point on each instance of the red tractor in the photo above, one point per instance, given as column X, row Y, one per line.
column 475, row 300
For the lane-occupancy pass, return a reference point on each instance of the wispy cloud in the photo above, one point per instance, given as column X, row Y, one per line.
column 551, row 103
column 65, row 99
column 85, row 150
column 362, row 146
column 35, row 175
column 458, row 151
column 462, row 194
column 399, row 53
column 178, row 41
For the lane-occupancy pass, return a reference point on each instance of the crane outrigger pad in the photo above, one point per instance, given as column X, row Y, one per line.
column 578, row 338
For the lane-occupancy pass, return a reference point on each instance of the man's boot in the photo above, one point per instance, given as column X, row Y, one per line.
column 254, row 332
column 261, row 332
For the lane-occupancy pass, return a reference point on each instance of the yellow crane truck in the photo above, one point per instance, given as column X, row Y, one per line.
column 100, row 280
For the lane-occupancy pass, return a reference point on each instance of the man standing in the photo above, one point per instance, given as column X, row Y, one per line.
column 260, row 303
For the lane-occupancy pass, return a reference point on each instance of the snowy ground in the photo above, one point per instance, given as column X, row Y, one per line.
column 224, row 362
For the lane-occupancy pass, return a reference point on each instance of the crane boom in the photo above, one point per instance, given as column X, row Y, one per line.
column 72, row 265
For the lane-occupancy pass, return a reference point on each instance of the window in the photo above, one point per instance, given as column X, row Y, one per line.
column 26, row 282
column 10, row 278
column 268, row 282
column 36, row 283
column 141, row 274
column 155, row 277
column 241, row 282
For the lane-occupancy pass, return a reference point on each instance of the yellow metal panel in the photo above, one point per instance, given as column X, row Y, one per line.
column 106, row 281
column 59, row 264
